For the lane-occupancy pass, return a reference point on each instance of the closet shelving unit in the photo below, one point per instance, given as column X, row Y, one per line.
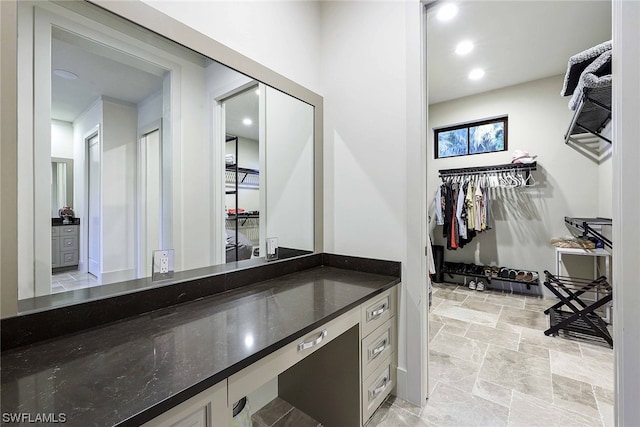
column 526, row 168
column 235, row 179
column 592, row 115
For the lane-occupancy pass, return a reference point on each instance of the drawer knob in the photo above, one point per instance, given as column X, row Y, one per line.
column 308, row 344
column 376, row 391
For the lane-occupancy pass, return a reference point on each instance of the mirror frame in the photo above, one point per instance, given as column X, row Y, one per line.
column 139, row 13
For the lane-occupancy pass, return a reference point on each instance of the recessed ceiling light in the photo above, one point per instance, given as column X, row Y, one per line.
column 464, row 47
column 447, row 12
column 476, row 74
column 247, row 121
column 65, row 74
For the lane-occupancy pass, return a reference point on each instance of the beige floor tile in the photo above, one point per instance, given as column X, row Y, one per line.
column 607, row 414
column 507, row 300
column 466, row 315
column 492, row 392
column 452, row 370
column 451, row 326
column 525, row 318
column 389, row 415
column 403, row 404
column 582, row 369
column 494, row 336
column 576, row 396
column 449, row 406
column 434, row 328
column 538, row 338
column 483, row 306
column 463, row 348
column 594, row 351
column 538, row 304
column 451, row 296
column 534, row 350
column 527, row 411
column 518, row 371
column 507, row 327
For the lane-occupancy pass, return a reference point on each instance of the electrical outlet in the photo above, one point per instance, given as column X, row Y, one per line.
column 162, row 264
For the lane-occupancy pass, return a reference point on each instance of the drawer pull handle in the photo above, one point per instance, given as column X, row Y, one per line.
column 313, row 343
column 376, row 391
column 378, row 311
column 376, row 351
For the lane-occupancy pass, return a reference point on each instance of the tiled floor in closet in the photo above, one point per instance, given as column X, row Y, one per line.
column 491, row 365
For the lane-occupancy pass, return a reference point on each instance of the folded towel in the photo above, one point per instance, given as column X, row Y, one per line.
column 577, row 64
column 595, row 75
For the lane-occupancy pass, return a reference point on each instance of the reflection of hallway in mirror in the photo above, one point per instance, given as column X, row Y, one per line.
column 71, row 280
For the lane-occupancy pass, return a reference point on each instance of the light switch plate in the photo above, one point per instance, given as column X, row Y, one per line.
column 272, row 248
column 162, row 264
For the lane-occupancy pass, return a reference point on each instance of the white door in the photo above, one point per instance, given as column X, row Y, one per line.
column 151, row 199
column 93, row 186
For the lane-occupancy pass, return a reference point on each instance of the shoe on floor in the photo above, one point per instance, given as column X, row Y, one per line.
column 472, row 285
column 480, row 286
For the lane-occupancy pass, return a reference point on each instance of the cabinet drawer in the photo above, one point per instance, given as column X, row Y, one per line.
column 68, row 230
column 378, row 346
column 55, row 231
column 376, row 388
column 378, row 310
column 254, row 376
column 68, row 243
column 68, row 258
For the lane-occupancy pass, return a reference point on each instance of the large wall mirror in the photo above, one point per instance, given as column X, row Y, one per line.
column 164, row 147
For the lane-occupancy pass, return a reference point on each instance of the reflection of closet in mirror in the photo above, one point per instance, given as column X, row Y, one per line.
column 242, row 175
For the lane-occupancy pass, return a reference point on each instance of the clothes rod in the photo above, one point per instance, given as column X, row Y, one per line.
column 526, row 167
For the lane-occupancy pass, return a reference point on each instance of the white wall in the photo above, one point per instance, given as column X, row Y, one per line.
column 525, row 219
column 61, row 139
column 259, row 30
column 371, row 86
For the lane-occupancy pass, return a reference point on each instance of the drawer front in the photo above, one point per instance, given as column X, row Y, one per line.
column 377, row 311
column 68, row 230
column 378, row 346
column 68, row 258
column 68, row 243
column 376, row 388
column 254, row 376
column 55, row 231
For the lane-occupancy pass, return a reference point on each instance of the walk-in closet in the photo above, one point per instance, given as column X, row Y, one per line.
column 519, row 183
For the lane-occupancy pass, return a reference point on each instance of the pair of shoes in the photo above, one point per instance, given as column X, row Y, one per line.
column 477, row 286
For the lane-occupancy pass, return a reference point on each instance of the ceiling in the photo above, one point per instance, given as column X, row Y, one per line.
column 239, row 107
column 108, row 72
column 515, row 42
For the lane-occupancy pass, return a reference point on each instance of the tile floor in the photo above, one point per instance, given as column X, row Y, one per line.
column 70, row 280
column 491, row 365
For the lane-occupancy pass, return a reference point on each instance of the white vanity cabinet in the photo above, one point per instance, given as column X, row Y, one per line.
column 378, row 350
column 207, row 409
column 64, row 246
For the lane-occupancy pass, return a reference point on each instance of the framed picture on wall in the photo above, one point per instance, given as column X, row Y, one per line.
column 477, row 137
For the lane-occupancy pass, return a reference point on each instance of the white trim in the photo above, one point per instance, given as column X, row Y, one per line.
column 626, row 210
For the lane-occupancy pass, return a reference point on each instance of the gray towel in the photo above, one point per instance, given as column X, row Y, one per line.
column 596, row 75
column 578, row 63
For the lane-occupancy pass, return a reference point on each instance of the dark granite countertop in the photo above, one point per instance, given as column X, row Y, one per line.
column 127, row 372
